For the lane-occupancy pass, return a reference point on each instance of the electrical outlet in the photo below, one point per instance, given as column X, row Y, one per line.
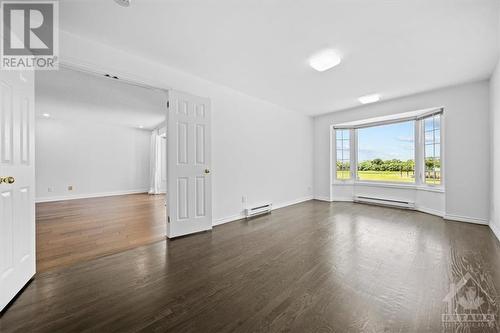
column 50, row 189
column 70, row 188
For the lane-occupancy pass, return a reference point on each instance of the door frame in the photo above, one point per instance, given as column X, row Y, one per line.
column 125, row 78
column 128, row 78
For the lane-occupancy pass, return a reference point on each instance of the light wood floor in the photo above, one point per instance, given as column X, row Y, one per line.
column 311, row 267
column 72, row 231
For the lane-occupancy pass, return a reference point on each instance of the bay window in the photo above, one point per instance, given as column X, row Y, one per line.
column 403, row 150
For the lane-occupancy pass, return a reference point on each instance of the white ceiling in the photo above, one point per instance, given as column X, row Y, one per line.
column 261, row 47
column 68, row 94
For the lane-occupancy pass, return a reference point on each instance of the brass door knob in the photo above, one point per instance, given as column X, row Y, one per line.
column 7, row 180
column 207, row 171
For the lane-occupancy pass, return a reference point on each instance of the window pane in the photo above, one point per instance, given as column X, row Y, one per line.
column 433, row 150
column 343, row 154
column 346, row 155
column 429, row 137
column 437, row 136
column 429, row 151
column 433, row 171
column 343, row 170
column 386, row 153
column 428, row 124
column 437, row 121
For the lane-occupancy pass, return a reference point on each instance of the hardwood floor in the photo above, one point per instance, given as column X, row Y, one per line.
column 311, row 267
column 72, row 231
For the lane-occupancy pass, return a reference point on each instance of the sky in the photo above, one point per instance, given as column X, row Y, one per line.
column 387, row 142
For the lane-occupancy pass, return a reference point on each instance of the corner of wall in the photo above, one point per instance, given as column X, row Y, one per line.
column 495, row 227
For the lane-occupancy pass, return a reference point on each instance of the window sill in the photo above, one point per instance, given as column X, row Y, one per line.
column 437, row 189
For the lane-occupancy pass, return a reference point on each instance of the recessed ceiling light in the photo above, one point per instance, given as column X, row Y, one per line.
column 46, row 115
column 140, row 126
column 324, row 60
column 369, row 99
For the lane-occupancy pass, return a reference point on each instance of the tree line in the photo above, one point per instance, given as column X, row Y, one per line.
column 378, row 164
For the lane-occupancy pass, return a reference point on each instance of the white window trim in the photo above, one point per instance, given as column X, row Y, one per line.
column 441, row 154
column 419, row 152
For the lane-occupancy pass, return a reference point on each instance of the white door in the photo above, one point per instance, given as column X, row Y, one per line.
column 189, row 180
column 17, row 172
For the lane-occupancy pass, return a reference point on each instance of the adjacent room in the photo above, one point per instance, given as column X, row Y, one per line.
column 251, row 166
column 100, row 166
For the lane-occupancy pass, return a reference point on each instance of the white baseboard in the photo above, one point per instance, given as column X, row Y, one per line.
column 242, row 216
column 496, row 229
column 322, row 198
column 228, row 219
column 343, row 199
column 292, row 202
column 435, row 212
column 89, row 195
column 430, row 211
column 467, row 219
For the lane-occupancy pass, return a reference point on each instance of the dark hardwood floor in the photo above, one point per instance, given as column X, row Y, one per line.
column 311, row 267
column 72, row 231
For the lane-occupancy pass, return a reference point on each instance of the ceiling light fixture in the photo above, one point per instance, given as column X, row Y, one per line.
column 367, row 99
column 46, row 115
column 324, row 60
column 141, row 127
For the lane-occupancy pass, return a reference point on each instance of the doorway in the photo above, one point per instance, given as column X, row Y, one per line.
column 86, row 158
column 100, row 166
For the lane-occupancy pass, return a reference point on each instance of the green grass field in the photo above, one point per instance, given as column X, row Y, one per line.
column 390, row 176
column 384, row 176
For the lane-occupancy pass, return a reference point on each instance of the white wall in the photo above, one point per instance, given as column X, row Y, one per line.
column 91, row 140
column 466, row 140
column 259, row 150
column 495, row 150
column 96, row 159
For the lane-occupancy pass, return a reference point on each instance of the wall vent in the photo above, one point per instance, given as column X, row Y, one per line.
column 385, row 202
column 258, row 210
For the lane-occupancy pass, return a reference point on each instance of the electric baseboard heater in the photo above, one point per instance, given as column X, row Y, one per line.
column 384, row 202
column 258, row 210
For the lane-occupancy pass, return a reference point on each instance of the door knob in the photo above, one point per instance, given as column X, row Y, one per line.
column 207, row 171
column 7, row 180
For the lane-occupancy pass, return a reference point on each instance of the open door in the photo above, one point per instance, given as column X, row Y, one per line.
column 17, row 179
column 189, row 180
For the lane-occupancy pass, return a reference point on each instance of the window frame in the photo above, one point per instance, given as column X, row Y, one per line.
column 441, row 151
column 335, row 156
column 419, row 153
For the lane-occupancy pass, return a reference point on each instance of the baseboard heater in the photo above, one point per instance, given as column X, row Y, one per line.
column 258, row 210
column 385, row 202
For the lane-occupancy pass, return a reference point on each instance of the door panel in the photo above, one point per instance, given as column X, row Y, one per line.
column 6, row 122
column 200, row 144
column 200, row 196
column 17, row 204
column 7, row 209
column 188, row 166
